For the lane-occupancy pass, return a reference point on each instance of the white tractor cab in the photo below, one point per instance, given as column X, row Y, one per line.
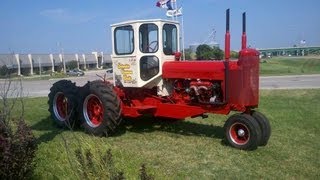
column 139, row 49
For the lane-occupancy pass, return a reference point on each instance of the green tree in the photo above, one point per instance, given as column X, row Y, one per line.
column 188, row 53
column 204, row 52
column 234, row 54
column 217, row 53
column 72, row 65
column 4, row 71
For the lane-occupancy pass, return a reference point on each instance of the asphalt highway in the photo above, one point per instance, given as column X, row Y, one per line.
column 290, row 82
column 41, row 88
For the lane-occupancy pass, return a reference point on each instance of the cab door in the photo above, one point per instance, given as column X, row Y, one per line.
column 149, row 53
column 124, row 56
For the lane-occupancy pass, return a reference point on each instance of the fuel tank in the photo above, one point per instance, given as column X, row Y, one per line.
column 211, row 70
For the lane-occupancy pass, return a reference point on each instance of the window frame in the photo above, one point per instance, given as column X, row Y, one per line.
column 173, row 40
column 141, row 50
column 115, row 40
column 158, row 67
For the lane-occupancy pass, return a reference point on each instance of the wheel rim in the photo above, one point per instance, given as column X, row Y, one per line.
column 60, row 106
column 239, row 133
column 93, row 110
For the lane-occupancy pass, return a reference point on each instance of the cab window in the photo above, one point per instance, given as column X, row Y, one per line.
column 170, row 41
column 148, row 38
column 124, row 40
column 149, row 67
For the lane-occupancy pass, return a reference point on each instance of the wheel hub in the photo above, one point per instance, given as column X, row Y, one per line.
column 239, row 133
column 93, row 110
column 60, row 106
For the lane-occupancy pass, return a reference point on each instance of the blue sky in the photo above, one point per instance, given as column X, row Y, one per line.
column 38, row 26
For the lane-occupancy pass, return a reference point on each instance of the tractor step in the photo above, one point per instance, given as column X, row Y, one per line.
column 137, row 111
column 145, row 107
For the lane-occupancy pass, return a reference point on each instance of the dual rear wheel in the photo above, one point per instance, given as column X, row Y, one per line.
column 63, row 103
column 95, row 106
column 100, row 109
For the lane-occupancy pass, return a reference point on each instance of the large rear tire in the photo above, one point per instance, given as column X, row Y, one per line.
column 63, row 103
column 264, row 125
column 100, row 110
column 242, row 132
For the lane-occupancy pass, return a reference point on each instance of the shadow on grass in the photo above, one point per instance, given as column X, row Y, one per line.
column 49, row 130
column 48, row 125
column 148, row 125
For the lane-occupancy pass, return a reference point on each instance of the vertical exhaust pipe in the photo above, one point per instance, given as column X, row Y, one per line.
column 244, row 35
column 227, row 36
column 227, row 56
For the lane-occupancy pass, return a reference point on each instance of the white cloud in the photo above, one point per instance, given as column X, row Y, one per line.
column 62, row 15
column 53, row 12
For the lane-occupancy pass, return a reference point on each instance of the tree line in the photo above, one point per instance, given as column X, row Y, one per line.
column 206, row 52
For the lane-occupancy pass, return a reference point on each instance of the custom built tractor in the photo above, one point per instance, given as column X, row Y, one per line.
column 149, row 77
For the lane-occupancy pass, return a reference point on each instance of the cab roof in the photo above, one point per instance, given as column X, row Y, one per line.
column 144, row 21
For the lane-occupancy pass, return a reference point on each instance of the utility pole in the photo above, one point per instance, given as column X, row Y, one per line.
column 40, row 69
column 63, row 60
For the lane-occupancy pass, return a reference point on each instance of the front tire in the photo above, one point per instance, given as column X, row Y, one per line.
column 100, row 110
column 63, row 103
column 242, row 132
column 264, row 125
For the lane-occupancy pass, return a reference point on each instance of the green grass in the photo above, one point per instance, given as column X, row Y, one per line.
column 290, row 66
column 192, row 149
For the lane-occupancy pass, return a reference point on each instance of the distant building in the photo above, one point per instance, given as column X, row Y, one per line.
column 30, row 64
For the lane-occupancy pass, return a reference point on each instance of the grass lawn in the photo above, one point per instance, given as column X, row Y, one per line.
column 191, row 149
column 290, row 66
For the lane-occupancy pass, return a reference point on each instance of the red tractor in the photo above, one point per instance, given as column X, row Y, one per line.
column 149, row 78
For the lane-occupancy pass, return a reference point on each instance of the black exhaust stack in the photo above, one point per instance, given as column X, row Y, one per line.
column 227, row 56
column 244, row 35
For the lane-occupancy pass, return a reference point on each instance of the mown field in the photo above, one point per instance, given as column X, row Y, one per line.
column 191, row 149
column 290, row 66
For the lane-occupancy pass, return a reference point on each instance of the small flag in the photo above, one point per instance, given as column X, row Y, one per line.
column 174, row 13
column 167, row 4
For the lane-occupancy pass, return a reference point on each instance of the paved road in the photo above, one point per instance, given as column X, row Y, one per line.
column 39, row 88
column 290, row 82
